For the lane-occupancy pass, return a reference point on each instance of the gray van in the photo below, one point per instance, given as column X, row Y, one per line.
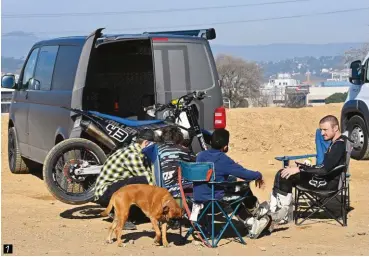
column 112, row 74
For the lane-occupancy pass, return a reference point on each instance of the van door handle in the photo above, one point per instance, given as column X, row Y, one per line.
column 26, row 94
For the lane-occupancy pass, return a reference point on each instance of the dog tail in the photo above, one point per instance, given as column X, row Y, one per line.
column 108, row 209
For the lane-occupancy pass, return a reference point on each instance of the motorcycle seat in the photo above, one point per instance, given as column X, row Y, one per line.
column 127, row 122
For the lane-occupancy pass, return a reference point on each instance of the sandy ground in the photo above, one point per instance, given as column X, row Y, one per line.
column 37, row 224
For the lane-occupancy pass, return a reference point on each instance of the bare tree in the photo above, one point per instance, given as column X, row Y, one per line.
column 240, row 79
column 356, row 53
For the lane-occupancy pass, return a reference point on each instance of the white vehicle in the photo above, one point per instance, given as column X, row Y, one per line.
column 355, row 112
column 6, row 96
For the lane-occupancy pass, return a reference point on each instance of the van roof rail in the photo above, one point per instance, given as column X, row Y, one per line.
column 208, row 34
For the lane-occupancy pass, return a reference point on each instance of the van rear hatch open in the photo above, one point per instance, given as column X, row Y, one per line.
column 117, row 74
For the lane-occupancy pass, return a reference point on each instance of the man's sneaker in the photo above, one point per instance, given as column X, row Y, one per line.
column 259, row 226
column 129, row 226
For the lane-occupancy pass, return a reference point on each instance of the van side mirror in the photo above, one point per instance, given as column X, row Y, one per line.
column 356, row 76
column 8, row 81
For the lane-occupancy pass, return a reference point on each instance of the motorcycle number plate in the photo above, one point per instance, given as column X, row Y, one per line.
column 77, row 122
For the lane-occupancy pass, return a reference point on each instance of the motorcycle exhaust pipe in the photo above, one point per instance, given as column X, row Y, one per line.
column 95, row 132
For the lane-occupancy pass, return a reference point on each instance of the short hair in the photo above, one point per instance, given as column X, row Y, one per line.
column 219, row 139
column 145, row 134
column 331, row 119
column 172, row 134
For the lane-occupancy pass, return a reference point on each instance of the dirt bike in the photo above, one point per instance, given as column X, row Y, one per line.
column 73, row 165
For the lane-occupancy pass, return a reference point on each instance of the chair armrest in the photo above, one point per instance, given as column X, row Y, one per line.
column 286, row 159
column 294, row 157
column 229, row 182
column 342, row 166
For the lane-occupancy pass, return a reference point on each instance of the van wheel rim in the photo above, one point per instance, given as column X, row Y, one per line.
column 357, row 136
column 11, row 150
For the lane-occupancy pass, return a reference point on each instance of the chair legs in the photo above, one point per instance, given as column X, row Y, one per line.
column 214, row 239
column 320, row 203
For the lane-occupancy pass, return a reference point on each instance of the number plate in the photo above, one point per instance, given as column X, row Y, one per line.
column 77, row 122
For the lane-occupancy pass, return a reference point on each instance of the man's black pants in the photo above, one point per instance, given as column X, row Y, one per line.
column 284, row 186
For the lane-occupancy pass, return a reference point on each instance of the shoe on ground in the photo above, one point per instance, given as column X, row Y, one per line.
column 129, row 225
column 259, row 226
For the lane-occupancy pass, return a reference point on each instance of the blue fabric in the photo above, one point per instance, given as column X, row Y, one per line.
column 127, row 122
column 151, row 152
column 224, row 167
column 195, row 171
column 321, row 147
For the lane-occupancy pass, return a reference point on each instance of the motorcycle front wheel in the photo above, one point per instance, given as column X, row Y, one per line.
column 59, row 166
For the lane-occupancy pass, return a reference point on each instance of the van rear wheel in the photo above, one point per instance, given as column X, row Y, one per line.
column 60, row 170
column 358, row 132
column 15, row 159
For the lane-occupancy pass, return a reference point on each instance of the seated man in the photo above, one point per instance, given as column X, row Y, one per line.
column 318, row 176
column 255, row 219
column 125, row 166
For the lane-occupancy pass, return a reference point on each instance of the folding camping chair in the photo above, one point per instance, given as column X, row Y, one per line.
column 319, row 199
column 204, row 173
column 321, row 148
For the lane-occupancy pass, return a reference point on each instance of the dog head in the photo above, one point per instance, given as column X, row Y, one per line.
column 171, row 210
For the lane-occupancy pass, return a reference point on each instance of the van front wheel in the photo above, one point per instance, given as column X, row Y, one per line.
column 15, row 159
column 61, row 166
column 358, row 132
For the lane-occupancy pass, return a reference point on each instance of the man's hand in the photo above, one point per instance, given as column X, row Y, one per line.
column 287, row 172
column 260, row 183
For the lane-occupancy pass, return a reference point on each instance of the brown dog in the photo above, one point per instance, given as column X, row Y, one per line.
column 156, row 202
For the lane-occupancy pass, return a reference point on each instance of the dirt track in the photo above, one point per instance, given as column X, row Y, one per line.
column 36, row 224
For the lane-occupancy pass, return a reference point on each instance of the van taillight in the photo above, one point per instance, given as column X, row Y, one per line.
column 219, row 118
column 160, row 39
column 116, row 106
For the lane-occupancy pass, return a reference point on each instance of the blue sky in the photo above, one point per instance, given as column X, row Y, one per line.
column 342, row 27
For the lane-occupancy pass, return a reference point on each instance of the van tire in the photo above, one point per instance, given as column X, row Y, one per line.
column 51, row 158
column 358, row 131
column 15, row 159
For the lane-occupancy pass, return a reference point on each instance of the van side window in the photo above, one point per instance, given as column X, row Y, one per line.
column 29, row 68
column 367, row 71
column 45, row 66
column 66, row 67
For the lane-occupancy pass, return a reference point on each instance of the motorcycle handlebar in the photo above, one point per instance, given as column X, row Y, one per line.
column 199, row 95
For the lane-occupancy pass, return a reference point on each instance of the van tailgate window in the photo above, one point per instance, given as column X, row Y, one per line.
column 181, row 67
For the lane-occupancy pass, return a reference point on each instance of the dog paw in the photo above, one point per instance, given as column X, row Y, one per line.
column 120, row 244
column 156, row 243
column 109, row 241
column 166, row 245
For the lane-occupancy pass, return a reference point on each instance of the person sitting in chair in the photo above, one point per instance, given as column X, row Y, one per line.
column 254, row 216
column 315, row 177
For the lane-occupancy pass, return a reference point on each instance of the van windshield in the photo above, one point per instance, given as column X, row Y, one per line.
column 182, row 67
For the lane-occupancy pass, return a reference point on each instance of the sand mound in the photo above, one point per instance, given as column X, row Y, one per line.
column 277, row 130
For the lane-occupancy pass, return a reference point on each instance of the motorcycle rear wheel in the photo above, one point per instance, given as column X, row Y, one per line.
column 58, row 170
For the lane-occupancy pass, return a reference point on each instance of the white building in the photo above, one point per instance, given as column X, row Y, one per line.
column 342, row 75
column 282, row 80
